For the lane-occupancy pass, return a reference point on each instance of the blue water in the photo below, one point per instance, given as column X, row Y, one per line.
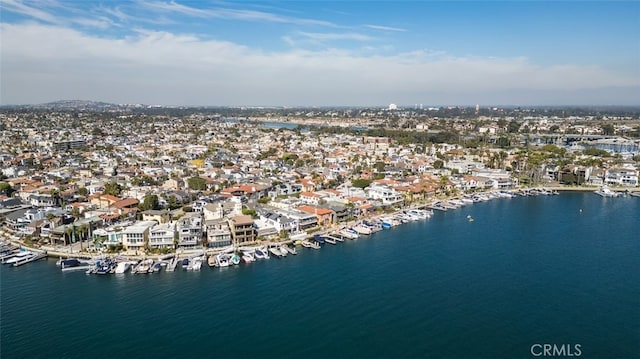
column 526, row 271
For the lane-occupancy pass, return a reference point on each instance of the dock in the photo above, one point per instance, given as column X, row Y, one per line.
column 171, row 267
column 335, row 238
column 31, row 259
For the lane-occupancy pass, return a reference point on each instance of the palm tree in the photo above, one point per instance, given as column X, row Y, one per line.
column 67, row 237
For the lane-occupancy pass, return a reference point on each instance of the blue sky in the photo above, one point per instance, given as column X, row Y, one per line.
column 321, row 53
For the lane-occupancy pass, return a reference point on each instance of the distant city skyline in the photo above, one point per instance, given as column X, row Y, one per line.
column 319, row 53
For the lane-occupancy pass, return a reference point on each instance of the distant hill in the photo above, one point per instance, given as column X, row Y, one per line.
column 78, row 105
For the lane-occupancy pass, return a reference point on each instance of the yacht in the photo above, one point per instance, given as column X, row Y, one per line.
column 260, row 254
column 222, row 260
column 248, row 257
column 68, row 263
column 329, row 240
column 122, row 267
column 310, row 244
column 146, row 266
column 212, row 261
column 606, row 192
column 362, row 229
column 275, row 251
column 289, row 249
column 20, row 256
column 348, row 233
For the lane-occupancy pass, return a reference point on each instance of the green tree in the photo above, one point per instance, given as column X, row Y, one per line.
column 360, row 182
column 608, row 129
column 113, row 189
column 513, row 127
column 596, row 152
column 150, row 201
column 437, row 164
column 197, row 183
column 83, row 191
column 172, row 202
column 6, row 189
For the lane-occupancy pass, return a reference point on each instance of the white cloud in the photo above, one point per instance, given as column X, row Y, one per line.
column 18, row 6
column 323, row 36
column 44, row 63
column 231, row 14
column 385, row 28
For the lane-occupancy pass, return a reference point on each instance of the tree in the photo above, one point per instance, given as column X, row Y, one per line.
column 438, row 164
column 6, row 189
column 113, row 189
column 608, row 129
column 150, row 201
column 197, row 183
column 513, row 127
column 83, row 191
column 360, row 182
column 172, row 202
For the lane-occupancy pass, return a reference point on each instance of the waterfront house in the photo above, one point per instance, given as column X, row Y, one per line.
column 136, row 236
column 242, row 229
column 217, row 232
column 273, row 219
column 189, row 230
column 162, row 235
column 621, row 177
column 388, row 196
column 324, row 216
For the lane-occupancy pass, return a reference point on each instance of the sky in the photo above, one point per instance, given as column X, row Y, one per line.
column 321, row 53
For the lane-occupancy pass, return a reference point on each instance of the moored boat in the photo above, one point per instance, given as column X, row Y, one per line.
column 289, row 249
column 21, row 255
column 605, row 191
column 122, row 267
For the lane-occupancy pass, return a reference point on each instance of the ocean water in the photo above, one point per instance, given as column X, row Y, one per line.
column 527, row 271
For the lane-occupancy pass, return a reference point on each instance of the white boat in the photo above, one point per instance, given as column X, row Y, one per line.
column 146, row 266
column 222, row 260
column 122, row 267
column 248, row 257
column 283, row 251
column 362, row 229
column 289, row 249
column 275, row 251
column 606, row 192
column 212, row 261
column 22, row 255
column 329, row 240
column 196, row 264
column 348, row 233
column 260, row 253
column 310, row 244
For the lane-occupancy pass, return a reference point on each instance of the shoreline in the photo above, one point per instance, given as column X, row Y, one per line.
column 58, row 252
column 561, row 188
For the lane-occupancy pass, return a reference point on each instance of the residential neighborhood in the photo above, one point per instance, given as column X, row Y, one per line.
column 133, row 180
